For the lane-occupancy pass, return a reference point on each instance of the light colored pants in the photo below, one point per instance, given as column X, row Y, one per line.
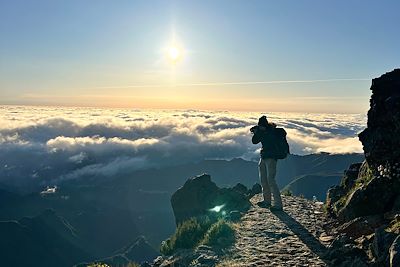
column 267, row 170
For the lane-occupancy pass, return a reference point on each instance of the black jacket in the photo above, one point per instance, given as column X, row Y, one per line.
column 268, row 139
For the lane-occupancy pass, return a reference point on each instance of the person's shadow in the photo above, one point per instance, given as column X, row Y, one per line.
column 303, row 234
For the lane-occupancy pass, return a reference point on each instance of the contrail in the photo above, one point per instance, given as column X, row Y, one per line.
column 227, row 83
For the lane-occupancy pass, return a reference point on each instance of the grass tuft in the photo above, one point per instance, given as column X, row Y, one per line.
column 187, row 235
column 220, row 234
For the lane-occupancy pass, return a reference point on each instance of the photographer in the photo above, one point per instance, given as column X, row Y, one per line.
column 274, row 147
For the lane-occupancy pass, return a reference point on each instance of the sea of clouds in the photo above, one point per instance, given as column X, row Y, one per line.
column 42, row 144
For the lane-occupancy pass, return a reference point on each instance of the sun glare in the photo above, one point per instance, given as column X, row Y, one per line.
column 174, row 54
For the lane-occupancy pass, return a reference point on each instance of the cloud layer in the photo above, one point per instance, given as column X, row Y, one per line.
column 42, row 145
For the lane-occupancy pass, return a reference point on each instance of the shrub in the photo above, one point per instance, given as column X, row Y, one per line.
column 187, row 235
column 220, row 234
column 287, row 192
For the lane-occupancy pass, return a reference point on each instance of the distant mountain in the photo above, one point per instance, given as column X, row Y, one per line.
column 102, row 227
column 44, row 240
column 313, row 185
column 108, row 214
column 323, row 163
column 139, row 251
column 228, row 173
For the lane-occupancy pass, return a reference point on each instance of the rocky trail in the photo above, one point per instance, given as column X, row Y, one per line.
column 294, row 237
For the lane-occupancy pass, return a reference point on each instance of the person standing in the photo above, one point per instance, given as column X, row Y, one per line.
column 274, row 147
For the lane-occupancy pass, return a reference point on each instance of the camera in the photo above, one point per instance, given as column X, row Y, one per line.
column 254, row 129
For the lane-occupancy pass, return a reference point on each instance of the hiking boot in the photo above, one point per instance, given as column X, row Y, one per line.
column 263, row 204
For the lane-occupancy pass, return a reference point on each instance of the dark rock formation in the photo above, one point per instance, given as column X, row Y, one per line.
column 194, row 198
column 381, row 139
column 367, row 202
column 376, row 186
column 256, row 189
column 361, row 226
column 336, row 193
column 375, row 197
column 380, row 246
column 241, row 189
column 199, row 196
column 344, row 252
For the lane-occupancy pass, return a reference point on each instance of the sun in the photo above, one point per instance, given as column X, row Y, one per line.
column 174, row 54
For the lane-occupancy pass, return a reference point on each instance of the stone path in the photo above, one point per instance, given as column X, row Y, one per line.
column 289, row 238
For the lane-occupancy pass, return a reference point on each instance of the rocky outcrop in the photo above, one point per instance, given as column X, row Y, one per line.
column 375, row 186
column 381, row 139
column 199, row 196
column 336, row 195
column 367, row 202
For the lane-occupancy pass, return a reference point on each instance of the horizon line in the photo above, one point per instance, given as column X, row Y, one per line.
column 228, row 83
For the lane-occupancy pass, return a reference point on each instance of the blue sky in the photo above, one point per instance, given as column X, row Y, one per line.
column 72, row 52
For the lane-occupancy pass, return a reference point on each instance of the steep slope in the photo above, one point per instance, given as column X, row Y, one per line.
column 45, row 240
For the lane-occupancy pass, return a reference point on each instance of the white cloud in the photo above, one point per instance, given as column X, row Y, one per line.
column 49, row 143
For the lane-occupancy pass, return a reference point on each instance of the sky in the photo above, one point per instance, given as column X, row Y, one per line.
column 289, row 56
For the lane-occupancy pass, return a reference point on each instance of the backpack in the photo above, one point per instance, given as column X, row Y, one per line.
column 281, row 146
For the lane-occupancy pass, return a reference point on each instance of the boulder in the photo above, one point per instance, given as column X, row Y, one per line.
column 231, row 200
column 343, row 252
column 194, row 198
column 199, row 196
column 256, row 189
column 375, row 197
column 240, row 188
column 361, row 226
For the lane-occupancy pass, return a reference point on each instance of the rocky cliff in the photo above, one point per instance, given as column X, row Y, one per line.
column 367, row 202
